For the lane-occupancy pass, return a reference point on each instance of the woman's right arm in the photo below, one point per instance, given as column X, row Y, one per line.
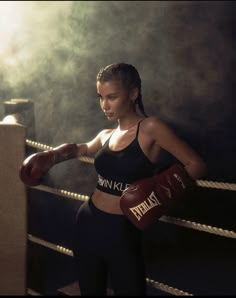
column 38, row 164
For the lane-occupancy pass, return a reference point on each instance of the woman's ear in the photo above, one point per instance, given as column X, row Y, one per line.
column 134, row 94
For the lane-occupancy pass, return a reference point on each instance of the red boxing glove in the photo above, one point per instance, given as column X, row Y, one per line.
column 37, row 165
column 146, row 200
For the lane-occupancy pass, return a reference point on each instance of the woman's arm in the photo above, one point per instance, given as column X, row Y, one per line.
column 164, row 137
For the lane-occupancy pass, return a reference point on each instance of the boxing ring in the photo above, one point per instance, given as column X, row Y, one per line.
column 15, row 238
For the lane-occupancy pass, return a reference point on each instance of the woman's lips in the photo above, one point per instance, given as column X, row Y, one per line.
column 108, row 114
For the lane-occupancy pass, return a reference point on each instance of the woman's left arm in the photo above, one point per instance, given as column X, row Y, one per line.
column 164, row 137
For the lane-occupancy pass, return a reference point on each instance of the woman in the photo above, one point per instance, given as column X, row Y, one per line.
column 107, row 243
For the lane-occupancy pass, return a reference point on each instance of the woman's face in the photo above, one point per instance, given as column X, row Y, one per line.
column 115, row 101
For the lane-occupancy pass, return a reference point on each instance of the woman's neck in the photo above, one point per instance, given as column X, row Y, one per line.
column 126, row 124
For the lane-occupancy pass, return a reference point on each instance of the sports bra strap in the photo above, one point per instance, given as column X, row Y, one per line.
column 107, row 141
column 138, row 128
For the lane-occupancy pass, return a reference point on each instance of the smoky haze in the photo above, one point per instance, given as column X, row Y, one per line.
column 184, row 51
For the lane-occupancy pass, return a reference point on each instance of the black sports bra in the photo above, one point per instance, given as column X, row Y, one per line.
column 118, row 169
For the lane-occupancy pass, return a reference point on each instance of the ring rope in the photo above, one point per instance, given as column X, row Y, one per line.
column 168, row 219
column 50, row 245
column 198, row 226
column 62, row 192
column 166, row 288
column 31, row 292
column 219, row 185
column 66, row 251
column 201, row 183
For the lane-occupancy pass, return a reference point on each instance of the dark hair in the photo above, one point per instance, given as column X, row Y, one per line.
column 127, row 74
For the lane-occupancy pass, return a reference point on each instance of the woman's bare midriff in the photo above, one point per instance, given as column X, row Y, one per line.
column 106, row 202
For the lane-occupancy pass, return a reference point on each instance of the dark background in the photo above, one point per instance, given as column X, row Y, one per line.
column 51, row 51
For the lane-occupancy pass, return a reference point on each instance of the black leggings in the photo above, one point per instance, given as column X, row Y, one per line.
column 108, row 245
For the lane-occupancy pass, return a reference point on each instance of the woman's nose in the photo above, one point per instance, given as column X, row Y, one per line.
column 105, row 105
column 105, row 108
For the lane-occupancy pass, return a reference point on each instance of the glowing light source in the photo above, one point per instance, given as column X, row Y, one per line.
column 10, row 26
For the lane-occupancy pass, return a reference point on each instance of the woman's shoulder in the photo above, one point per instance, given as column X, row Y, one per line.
column 105, row 134
column 155, row 128
column 152, row 123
